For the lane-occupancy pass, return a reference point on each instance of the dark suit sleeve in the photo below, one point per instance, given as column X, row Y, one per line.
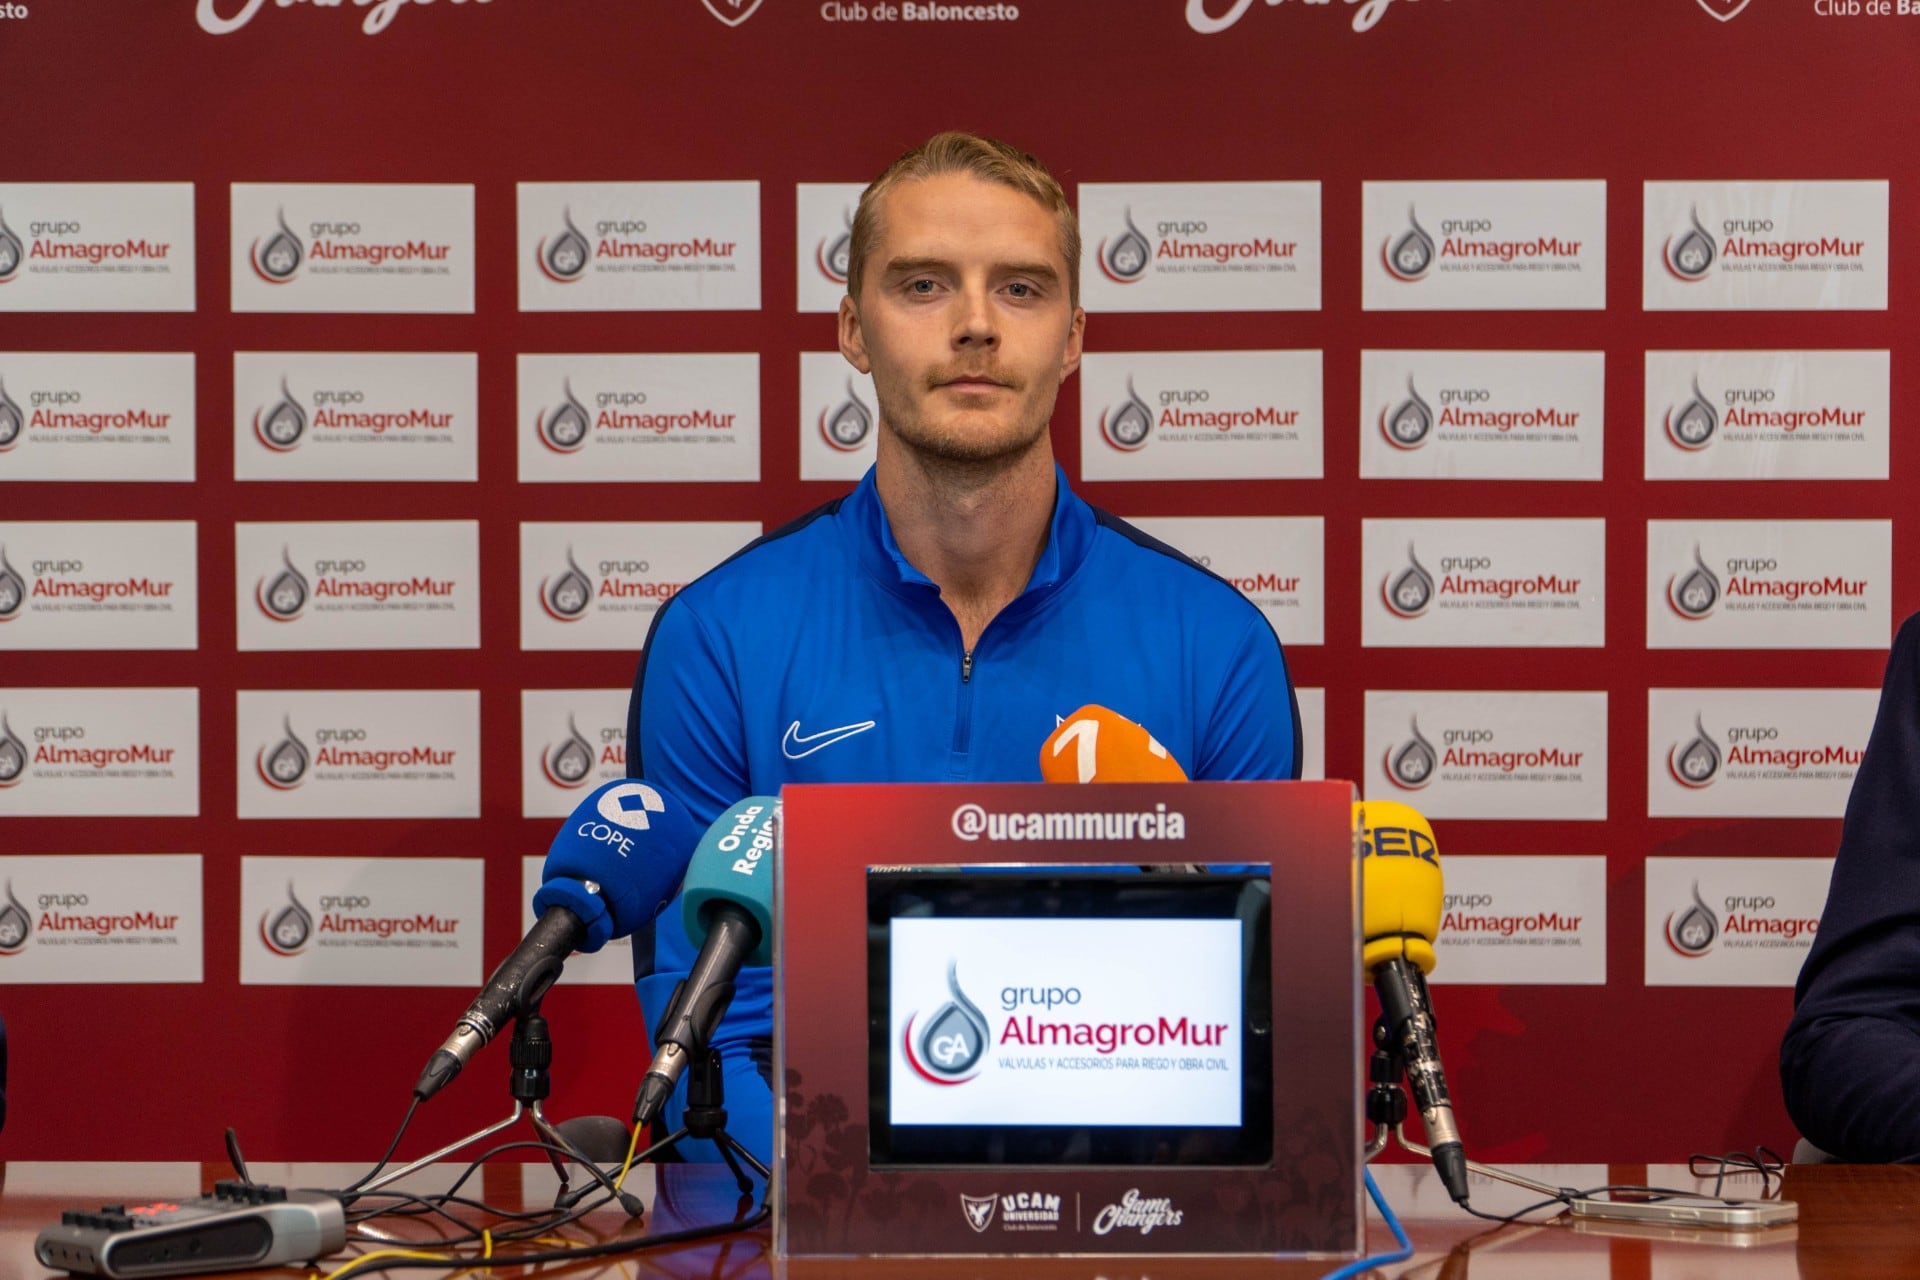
column 1850, row 1063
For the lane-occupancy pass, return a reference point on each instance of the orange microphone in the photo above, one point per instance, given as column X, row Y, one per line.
column 1097, row 745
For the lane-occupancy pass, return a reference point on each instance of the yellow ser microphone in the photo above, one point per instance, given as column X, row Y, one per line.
column 1402, row 892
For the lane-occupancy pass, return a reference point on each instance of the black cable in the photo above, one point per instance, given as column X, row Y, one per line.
column 391, row 1148
column 607, row 1249
column 1568, row 1195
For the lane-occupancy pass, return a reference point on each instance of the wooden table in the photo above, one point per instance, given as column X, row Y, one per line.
column 1857, row 1222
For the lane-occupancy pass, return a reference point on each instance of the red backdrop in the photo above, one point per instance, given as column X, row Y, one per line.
column 609, row 90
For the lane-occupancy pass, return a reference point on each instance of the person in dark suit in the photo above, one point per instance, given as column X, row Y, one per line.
column 1850, row 1062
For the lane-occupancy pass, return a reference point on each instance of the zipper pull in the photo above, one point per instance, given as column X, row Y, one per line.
column 966, row 666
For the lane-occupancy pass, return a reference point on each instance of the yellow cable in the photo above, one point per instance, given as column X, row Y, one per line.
column 633, row 1145
column 337, row 1272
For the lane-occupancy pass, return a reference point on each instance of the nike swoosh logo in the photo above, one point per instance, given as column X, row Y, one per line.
column 794, row 746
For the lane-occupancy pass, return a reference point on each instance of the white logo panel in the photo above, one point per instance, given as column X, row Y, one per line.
column 1768, row 415
column 360, row 922
column 597, row 586
column 1200, row 246
column 1755, row 753
column 124, row 584
column 1482, row 583
column 823, row 239
column 571, row 741
column 595, row 419
column 96, row 416
column 1732, row 922
column 1201, row 415
column 1279, row 563
column 96, row 246
column 610, row 966
column 347, row 753
column 373, row 584
column 89, row 753
column 352, row 247
column 839, row 418
column 101, row 918
column 1765, row 246
column 355, row 415
column 1483, row 246
column 1769, row 584
column 1313, row 733
column 639, row 246
column 1523, row 921
column 1489, row 755
column 1482, row 415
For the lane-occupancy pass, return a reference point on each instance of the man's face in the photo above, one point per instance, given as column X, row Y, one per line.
column 964, row 318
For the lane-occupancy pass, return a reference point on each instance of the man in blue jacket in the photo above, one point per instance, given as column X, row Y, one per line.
column 1850, row 1063
column 935, row 624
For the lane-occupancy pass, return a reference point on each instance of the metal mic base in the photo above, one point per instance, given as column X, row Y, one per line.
column 1385, row 1135
column 706, row 1118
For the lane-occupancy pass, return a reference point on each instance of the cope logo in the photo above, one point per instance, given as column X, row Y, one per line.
column 1409, row 424
column 834, row 254
column 1690, row 254
column 568, row 595
column 1692, row 930
column 13, row 755
column 568, row 763
column 1691, row 426
column 1695, row 763
column 1410, row 764
column 731, row 12
column 563, row 258
column 289, row 930
column 16, row 926
column 13, row 423
column 846, row 426
column 283, row 765
column 1408, row 593
column 283, row 597
column 1410, row 255
column 564, row 427
column 281, row 425
column 1125, row 258
column 12, row 252
column 948, row 1046
column 1694, row 593
column 277, row 257
column 1127, row 426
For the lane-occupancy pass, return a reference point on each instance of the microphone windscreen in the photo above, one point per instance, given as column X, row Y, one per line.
column 601, row 1139
column 1097, row 745
column 733, row 863
column 634, row 841
column 1402, row 889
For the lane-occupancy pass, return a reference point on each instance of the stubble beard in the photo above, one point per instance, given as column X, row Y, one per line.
column 958, row 447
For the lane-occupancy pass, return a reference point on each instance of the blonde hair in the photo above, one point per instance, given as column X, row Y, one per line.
column 985, row 158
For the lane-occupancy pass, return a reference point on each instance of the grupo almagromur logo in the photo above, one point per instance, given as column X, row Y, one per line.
column 281, row 425
column 564, row 427
column 567, row 595
column 1691, row 931
column 563, row 257
column 1407, row 425
column 1692, row 424
column 1128, row 425
column 846, row 426
column 16, row 926
column 287, row 931
column 1690, row 253
column 1125, row 258
column 1695, row 763
column 1410, row 764
column 1694, row 593
column 1408, row 256
column 283, row 765
column 569, row 762
column 946, row 1048
column 278, row 255
column 1408, row 593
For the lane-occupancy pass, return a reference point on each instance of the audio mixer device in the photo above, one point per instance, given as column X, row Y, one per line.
column 240, row 1226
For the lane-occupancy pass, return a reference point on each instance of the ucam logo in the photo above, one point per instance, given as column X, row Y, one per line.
column 732, row 12
column 950, row 1044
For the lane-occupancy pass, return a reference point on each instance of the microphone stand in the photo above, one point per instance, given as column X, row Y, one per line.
column 706, row 1117
column 1387, row 1109
column 529, row 1055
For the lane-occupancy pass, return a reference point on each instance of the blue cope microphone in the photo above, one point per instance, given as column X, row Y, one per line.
column 726, row 903
column 611, row 869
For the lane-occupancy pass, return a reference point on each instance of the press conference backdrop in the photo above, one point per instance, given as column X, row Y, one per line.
column 373, row 372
